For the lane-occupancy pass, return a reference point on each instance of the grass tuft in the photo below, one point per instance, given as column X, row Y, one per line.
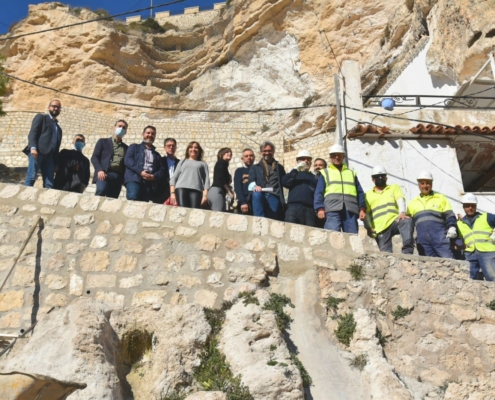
column 381, row 339
column 276, row 304
column 400, row 312
column 306, row 378
column 359, row 362
column 356, row 271
column 491, row 305
column 248, row 298
column 333, row 302
column 346, row 328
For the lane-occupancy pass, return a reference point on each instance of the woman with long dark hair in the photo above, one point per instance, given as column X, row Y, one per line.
column 221, row 181
column 191, row 181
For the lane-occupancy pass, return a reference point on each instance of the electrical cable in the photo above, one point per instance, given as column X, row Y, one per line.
column 92, row 20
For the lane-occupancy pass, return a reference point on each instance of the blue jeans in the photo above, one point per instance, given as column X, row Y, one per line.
column 431, row 242
column 46, row 163
column 481, row 260
column 139, row 191
column 111, row 186
column 342, row 220
column 266, row 205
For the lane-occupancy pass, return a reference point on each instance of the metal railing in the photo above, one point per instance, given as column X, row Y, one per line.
column 427, row 101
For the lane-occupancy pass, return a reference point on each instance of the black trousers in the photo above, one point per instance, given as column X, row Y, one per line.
column 189, row 198
column 299, row 214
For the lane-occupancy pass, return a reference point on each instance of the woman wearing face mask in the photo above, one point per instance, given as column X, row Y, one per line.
column 108, row 162
column 191, row 181
column 73, row 168
column 222, row 179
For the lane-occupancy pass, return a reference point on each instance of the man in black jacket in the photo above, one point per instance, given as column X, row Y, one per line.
column 43, row 146
column 73, row 168
column 266, row 177
column 241, row 183
column 301, row 184
column 161, row 191
column 108, row 161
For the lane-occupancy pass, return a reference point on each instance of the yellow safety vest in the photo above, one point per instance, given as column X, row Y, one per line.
column 340, row 189
column 477, row 238
column 382, row 206
column 430, row 211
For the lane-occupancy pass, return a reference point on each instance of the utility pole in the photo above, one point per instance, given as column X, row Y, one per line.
column 151, row 9
column 338, row 136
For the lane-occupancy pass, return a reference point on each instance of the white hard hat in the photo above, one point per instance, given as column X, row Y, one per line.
column 303, row 153
column 378, row 170
column 469, row 198
column 425, row 175
column 337, row 148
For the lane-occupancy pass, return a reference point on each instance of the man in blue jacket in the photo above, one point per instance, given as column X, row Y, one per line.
column 143, row 167
column 108, row 161
column 241, row 183
column 301, row 184
column 169, row 162
column 266, row 177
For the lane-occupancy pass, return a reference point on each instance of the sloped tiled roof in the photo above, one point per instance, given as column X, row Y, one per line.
column 432, row 129
column 360, row 130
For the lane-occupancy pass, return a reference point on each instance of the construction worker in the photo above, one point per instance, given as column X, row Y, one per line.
column 478, row 233
column 434, row 219
column 386, row 214
column 338, row 195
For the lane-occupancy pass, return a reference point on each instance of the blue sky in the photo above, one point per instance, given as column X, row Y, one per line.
column 18, row 9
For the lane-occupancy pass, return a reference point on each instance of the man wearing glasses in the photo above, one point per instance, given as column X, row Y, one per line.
column 338, row 195
column 169, row 162
column 43, row 146
column 386, row 214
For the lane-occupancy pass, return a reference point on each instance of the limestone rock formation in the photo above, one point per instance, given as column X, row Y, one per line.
column 257, row 54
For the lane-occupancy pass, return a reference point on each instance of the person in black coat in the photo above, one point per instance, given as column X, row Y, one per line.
column 43, row 146
column 241, row 183
column 301, row 184
column 143, row 167
column 266, row 177
column 222, row 179
column 161, row 191
column 108, row 162
column 73, row 168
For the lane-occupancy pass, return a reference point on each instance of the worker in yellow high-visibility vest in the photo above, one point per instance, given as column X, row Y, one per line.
column 478, row 233
column 386, row 214
column 434, row 219
column 338, row 195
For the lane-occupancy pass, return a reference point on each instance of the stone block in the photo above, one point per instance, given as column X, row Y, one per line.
column 75, row 247
column 269, row 261
column 232, row 292
column 63, row 222
column 130, row 282
column 148, row 297
column 277, row 229
column 100, row 281
column 237, row 223
column 340, row 276
column 357, row 244
column 177, row 214
column 131, row 227
column 316, row 237
column 237, row 257
column 11, row 299
column 111, row 205
column 104, row 227
column 84, row 219
column 10, row 320
column 216, row 220
column 178, row 298
column 9, row 191
column 89, row 203
column 287, row 253
column 162, row 279
column 145, row 224
column 174, row 262
column 95, row 262
column 188, row 281
column 7, row 251
column 187, row 232
column 51, row 247
column 49, row 197
column 250, row 274
column 112, row 298
column 118, row 228
column 8, row 210
column 152, row 236
column 463, row 314
column 6, row 264
column 157, row 213
column 47, row 210
column 260, row 226
column 98, row 242
column 337, row 240
column 23, row 276
column 218, row 263
column 320, row 253
column 208, row 243
column 19, row 237
column 29, row 208
column 255, row 245
column 154, row 249
column 205, row 298
column 55, row 282
column 196, row 218
column 82, row 233
column 125, row 264
column 297, row 233
column 434, row 376
column 28, row 194
column 76, row 283
column 133, row 247
column 56, row 300
column 70, row 200
column 17, row 221
column 135, row 209
column 214, row 279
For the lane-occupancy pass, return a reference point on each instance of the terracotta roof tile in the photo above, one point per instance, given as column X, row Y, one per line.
column 432, row 129
column 360, row 130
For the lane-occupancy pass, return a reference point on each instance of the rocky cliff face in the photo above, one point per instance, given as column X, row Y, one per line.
column 257, row 54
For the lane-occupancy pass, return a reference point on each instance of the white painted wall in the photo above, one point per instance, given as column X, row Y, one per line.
column 415, row 79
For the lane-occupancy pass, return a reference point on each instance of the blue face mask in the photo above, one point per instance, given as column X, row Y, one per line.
column 120, row 132
column 79, row 146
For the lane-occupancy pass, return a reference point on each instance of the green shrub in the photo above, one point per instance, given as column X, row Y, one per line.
column 356, row 272
column 346, row 328
column 491, row 305
column 400, row 312
column 272, row 363
column 333, row 302
column 359, row 362
column 3, row 84
column 148, row 26
column 306, row 378
column 248, row 298
column 102, row 13
column 276, row 304
column 382, row 340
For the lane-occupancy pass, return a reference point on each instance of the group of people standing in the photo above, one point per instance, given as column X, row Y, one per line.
column 331, row 197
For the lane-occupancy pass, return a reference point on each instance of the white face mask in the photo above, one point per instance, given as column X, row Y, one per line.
column 120, row 132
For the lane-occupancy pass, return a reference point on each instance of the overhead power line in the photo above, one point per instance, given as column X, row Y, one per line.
column 92, row 20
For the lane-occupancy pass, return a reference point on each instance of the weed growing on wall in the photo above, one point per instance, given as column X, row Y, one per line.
column 356, row 271
column 276, row 304
column 400, row 312
column 381, row 339
column 3, row 84
column 248, row 298
column 491, row 305
column 306, row 378
column 333, row 303
column 359, row 362
column 172, row 395
column 346, row 328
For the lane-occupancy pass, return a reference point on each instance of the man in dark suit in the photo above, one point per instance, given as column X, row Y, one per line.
column 241, row 183
column 143, row 167
column 108, row 161
column 43, row 146
column 161, row 188
column 73, row 168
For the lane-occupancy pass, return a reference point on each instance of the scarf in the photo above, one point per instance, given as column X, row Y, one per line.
column 266, row 167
